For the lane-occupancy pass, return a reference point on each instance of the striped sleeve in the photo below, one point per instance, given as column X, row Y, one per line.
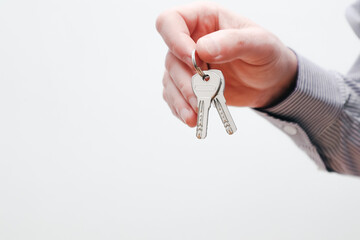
column 324, row 112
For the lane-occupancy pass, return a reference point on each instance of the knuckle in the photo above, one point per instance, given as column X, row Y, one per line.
column 165, row 79
column 170, row 105
column 182, row 86
column 270, row 45
column 177, row 104
column 168, row 60
column 173, row 48
column 173, row 111
column 164, row 95
column 189, row 94
column 208, row 5
column 176, row 48
column 185, row 89
column 160, row 20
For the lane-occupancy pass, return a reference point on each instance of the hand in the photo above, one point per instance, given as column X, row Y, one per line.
column 258, row 68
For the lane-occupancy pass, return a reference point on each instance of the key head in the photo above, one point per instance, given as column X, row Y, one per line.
column 220, row 74
column 206, row 88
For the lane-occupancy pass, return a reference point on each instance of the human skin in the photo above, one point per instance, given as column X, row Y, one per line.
column 258, row 68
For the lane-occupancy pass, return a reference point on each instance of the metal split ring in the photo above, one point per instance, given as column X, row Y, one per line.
column 197, row 68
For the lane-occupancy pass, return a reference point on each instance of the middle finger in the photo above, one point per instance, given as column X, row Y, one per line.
column 181, row 74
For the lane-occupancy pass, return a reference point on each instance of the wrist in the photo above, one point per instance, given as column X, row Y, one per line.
column 285, row 86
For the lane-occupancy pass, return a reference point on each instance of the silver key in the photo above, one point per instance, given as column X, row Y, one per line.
column 205, row 91
column 220, row 104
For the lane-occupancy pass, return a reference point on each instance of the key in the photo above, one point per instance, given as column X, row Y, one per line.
column 220, row 104
column 205, row 90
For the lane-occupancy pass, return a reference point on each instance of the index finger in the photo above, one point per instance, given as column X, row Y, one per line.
column 180, row 28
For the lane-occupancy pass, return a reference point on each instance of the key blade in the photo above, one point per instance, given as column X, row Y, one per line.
column 202, row 119
column 224, row 113
column 221, row 107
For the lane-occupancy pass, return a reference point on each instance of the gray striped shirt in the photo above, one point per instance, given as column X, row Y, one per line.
column 322, row 114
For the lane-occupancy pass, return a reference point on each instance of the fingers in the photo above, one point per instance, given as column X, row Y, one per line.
column 180, row 28
column 252, row 45
column 181, row 76
column 178, row 105
column 173, row 29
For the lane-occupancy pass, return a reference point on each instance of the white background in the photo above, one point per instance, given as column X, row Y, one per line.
column 89, row 150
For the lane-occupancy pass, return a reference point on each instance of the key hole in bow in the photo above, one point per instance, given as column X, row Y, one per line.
column 206, row 77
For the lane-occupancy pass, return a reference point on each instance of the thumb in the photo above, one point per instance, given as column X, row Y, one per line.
column 228, row 45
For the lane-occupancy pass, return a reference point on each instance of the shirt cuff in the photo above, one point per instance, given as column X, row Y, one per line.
column 316, row 101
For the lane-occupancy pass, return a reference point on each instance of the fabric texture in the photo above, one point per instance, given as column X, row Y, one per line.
column 322, row 114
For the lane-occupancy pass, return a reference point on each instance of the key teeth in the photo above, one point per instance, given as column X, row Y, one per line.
column 199, row 134
column 200, row 127
column 229, row 129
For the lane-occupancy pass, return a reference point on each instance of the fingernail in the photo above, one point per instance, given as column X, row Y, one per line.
column 211, row 46
column 193, row 103
column 184, row 114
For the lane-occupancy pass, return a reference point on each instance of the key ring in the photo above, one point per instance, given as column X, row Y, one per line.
column 197, row 68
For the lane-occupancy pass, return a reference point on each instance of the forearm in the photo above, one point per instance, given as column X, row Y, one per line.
column 326, row 108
